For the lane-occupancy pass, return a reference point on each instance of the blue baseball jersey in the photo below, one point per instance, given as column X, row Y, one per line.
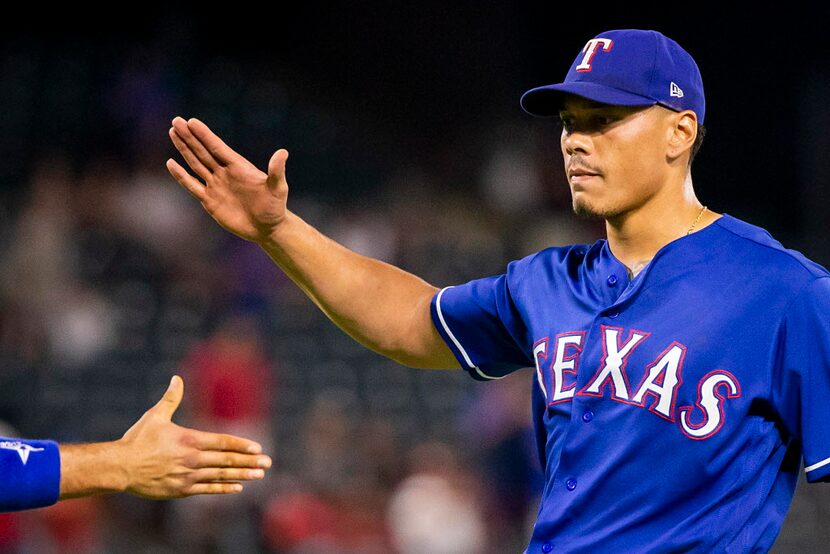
column 30, row 474
column 673, row 410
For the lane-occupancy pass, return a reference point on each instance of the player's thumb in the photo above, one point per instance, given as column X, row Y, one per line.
column 276, row 169
column 168, row 404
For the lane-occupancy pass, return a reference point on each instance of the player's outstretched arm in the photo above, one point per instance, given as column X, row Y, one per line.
column 158, row 459
column 379, row 305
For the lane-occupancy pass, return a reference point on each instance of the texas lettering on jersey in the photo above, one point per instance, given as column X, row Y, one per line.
column 557, row 363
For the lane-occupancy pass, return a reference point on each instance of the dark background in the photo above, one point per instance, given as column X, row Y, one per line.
column 412, row 82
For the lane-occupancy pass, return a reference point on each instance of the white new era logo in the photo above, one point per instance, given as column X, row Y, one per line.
column 675, row 90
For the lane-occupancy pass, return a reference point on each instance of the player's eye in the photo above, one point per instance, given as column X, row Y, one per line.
column 589, row 123
column 605, row 120
column 567, row 123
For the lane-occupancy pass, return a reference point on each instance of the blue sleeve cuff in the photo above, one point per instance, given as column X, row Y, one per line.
column 30, row 474
column 464, row 358
column 818, row 472
column 443, row 330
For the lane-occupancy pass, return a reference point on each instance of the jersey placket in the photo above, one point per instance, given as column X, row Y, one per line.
column 614, row 290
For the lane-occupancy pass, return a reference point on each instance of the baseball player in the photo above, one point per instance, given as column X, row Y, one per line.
column 682, row 365
column 154, row 459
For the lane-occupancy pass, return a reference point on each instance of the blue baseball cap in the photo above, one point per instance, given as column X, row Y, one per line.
column 626, row 67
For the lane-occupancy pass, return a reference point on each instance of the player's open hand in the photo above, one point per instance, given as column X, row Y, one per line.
column 240, row 197
column 163, row 460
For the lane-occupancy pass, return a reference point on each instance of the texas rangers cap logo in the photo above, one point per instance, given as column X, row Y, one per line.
column 591, row 49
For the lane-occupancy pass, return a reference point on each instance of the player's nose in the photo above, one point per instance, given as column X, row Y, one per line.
column 575, row 142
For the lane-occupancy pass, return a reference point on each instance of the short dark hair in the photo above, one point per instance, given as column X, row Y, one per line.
column 701, row 132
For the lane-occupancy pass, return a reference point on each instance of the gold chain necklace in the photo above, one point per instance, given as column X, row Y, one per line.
column 641, row 265
column 697, row 220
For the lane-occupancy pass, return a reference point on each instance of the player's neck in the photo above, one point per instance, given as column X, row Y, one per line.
column 635, row 236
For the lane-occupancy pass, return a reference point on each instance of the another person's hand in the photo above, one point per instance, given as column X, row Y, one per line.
column 165, row 460
column 158, row 459
column 240, row 197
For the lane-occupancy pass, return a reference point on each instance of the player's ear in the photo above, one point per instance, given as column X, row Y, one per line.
column 682, row 133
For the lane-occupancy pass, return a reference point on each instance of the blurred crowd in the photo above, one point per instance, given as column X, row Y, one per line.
column 112, row 279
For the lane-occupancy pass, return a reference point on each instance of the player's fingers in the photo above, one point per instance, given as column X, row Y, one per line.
column 187, row 181
column 217, row 459
column 188, row 155
column 220, row 151
column 214, row 488
column 204, row 440
column 276, row 168
column 226, row 474
column 194, row 144
column 168, row 404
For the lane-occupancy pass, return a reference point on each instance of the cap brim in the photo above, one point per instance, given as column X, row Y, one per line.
column 547, row 100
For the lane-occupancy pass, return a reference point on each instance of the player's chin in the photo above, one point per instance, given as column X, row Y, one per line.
column 583, row 207
column 590, row 207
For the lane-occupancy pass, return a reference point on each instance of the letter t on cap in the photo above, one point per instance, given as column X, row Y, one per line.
column 590, row 51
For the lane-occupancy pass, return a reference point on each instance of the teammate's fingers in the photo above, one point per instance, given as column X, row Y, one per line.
column 172, row 398
column 194, row 144
column 219, row 441
column 217, row 459
column 188, row 155
column 223, row 153
column 226, row 474
column 214, row 488
column 187, row 181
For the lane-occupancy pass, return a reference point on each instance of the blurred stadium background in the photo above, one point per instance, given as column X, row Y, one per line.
column 407, row 143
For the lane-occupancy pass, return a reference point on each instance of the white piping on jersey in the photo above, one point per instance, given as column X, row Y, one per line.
column 455, row 340
column 822, row 463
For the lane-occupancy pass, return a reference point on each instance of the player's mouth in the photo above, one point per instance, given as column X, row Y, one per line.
column 580, row 175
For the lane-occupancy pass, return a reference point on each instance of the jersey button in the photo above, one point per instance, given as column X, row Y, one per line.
column 570, row 484
column 587, row 416
column 547, row 547
column 612, row 280
column 614, row 315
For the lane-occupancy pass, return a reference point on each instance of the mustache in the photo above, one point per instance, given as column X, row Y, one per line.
column 578, row 162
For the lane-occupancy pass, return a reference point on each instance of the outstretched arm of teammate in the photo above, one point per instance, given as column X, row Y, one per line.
column 154, row 459
column 381, row 306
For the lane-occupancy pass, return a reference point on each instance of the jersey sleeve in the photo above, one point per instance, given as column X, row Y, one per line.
column 481, row 324
column 30, row 473
column 806, row 359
